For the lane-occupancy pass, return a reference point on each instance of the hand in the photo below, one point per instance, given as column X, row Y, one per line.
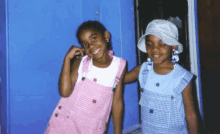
column 74, row 51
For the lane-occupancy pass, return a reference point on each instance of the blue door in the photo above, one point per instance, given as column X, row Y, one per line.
column 34, row 40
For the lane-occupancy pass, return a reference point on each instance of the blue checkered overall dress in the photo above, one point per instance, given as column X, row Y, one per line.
column 162, row 108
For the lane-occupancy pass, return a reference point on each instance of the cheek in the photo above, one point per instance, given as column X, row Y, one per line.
column 168, row 53
column 148, row 50
column 149, row 54
column 103, row 45
column 102, row 42
column 86, row 51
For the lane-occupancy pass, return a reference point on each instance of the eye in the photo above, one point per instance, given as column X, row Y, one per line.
column 84, row 45
column 94, row 38
column 148, row 44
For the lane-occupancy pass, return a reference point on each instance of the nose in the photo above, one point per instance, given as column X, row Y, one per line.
column 155, row 47
column 91, row 45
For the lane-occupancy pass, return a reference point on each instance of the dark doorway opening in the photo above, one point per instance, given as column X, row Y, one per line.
column 147, row 10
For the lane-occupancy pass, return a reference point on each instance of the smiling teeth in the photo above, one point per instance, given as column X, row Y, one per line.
column 96, row 51
column 156, row 56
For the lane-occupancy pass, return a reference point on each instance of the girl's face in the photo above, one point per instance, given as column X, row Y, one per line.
column 157, row 50
column 93, row 43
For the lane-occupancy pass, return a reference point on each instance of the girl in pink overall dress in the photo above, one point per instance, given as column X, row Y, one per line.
column 87, row 101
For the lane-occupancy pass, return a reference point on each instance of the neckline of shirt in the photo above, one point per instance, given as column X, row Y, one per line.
column 92, row 66
column 170, row 73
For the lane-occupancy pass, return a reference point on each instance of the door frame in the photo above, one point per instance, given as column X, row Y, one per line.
column 194, row 49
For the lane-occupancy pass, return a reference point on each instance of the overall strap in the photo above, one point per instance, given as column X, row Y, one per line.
column 85, row 65
column 187, row 76
column 120, row 71
column 143, row 74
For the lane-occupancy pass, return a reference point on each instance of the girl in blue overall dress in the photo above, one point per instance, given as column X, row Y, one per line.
column 167, row 105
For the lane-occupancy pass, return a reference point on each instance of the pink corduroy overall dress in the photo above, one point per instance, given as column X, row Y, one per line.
column 87, row 109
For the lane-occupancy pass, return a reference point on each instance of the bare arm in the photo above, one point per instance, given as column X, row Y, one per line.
column 69, row 73
column 191, row 116
column 132, row 75
column 117, row 108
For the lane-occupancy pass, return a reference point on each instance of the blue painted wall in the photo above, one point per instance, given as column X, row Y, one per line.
column 129, row 53
column 40, row 33
column 3, row 66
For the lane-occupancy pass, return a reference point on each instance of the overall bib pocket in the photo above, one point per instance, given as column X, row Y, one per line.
column 155, row 109
column 92, row 102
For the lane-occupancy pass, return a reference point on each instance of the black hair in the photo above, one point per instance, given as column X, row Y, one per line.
column 95, row 25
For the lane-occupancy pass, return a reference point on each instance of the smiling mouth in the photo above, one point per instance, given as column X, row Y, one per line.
column 156, row 56
column 96, row 51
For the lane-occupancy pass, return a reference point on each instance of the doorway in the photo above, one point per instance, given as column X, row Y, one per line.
column 147, row 10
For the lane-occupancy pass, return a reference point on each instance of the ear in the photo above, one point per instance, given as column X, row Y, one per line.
column 107, row 35
column 174, row 48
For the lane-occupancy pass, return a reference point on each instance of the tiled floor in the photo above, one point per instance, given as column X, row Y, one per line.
column 136, row 129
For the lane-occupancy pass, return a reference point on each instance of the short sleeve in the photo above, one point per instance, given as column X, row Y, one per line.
column 186, row 77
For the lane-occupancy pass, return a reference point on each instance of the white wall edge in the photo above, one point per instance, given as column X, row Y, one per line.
column 192, row 46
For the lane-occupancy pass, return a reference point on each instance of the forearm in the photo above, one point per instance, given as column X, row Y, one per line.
column 192, row 122
column 65, row 79
column 132, row 75
column 129, row 78
column 117, row 117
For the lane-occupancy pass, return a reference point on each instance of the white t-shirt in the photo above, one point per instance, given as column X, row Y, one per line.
column 103, row 76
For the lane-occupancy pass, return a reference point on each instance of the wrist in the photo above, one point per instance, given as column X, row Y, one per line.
column 117, row 129
column 67, row 58
column 117, row 132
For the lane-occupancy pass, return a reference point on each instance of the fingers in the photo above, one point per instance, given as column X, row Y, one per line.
column 75, row 51
column 78, row 57
column 79, row 51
